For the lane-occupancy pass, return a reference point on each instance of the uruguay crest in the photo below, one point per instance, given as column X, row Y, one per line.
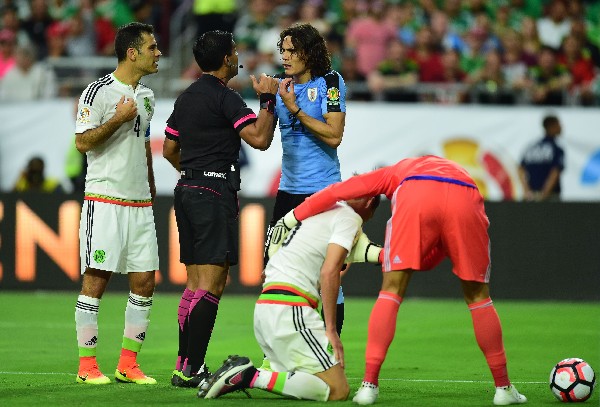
column 312, row 94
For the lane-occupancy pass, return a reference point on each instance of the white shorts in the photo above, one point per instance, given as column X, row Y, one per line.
column 117, row 238
column 293, row 338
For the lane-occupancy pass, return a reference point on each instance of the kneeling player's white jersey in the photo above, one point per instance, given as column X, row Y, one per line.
column 117, row 170
column 301, row 256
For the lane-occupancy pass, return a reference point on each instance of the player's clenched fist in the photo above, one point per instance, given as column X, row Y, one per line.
column 126, row 110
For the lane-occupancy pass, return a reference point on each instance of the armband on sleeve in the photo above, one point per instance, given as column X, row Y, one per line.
column 267, row 101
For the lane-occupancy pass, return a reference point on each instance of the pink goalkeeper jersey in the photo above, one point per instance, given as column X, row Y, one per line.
column 385, row 181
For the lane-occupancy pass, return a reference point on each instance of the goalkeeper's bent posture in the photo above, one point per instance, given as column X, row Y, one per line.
column 437, row 211
column 305, row 352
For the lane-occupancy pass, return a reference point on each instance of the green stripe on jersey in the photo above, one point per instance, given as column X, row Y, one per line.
column 295, row 299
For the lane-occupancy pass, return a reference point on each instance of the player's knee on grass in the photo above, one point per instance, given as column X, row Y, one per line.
column 337, row 382
column 339, row 393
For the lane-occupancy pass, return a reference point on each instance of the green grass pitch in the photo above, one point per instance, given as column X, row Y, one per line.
column 433, row 361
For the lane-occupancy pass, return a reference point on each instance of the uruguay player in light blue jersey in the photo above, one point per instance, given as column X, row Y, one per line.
column 311, row 111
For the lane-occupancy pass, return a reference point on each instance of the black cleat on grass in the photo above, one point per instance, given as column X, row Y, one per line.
column 235, row 374
column 178, row 379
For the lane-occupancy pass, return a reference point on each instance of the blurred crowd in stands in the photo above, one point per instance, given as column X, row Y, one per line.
column 542, row 52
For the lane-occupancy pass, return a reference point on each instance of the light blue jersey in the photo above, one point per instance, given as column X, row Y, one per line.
column 308, row 164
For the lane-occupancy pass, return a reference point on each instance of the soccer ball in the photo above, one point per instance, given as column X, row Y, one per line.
column 572, row 380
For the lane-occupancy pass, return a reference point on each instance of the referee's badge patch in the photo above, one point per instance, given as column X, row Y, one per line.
column 83, row 116
column 312, row 94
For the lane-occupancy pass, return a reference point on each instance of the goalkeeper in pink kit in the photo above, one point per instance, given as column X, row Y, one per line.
column 437, row 211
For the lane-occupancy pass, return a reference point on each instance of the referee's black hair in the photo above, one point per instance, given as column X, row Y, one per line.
column 210, row 49
column 310, row 47
column 130, row 36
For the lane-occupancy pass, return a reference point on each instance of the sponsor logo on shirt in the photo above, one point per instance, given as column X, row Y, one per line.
column 215, row 174
column 83, row 116
column 312, row 94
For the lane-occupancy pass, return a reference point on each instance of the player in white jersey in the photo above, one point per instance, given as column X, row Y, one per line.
column 305, row 351
column 117, row 232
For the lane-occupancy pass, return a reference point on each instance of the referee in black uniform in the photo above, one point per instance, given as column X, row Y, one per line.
column 203, row 141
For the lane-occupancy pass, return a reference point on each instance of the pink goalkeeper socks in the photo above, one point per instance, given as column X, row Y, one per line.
column 382, row 327
column 488, row 333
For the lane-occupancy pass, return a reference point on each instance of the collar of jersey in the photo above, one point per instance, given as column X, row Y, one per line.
column 305, row 84
column 209, row 76
column 117, row 81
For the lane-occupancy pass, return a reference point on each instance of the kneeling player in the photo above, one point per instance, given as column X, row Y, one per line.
column 306, row 353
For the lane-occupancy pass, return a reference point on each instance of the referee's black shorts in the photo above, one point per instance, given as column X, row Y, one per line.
column 207, row 213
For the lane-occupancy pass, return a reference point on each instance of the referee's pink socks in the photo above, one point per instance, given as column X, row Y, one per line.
column 183, row 332
column 382, row 327
column 488, row 333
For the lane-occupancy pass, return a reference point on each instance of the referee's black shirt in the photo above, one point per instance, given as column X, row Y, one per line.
column 206, row 121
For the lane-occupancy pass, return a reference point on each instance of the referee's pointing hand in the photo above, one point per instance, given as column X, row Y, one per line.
column 265, row 84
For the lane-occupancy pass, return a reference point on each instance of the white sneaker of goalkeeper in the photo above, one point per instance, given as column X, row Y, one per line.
column 366, row 394
column 508, row 395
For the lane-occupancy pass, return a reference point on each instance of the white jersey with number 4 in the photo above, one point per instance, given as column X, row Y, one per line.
column 301, row 256
column 117, row 170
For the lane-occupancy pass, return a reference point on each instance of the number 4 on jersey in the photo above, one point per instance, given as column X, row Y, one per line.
column 136, row 126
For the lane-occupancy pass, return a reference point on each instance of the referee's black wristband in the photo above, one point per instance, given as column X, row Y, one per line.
column 267, row 101
column 297, row 111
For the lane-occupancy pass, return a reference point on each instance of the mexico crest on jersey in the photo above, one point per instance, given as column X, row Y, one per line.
column 147, row 105
column 83, row 116
column 312, row 94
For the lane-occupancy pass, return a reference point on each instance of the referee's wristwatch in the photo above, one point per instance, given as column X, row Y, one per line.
column 267, row 101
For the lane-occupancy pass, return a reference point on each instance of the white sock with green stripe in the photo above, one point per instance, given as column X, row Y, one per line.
column 299, row 385
column 137, row 318
column 86, row 324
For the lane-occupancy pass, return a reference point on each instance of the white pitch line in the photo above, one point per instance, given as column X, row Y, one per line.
column 451, row 381
column 350, row 378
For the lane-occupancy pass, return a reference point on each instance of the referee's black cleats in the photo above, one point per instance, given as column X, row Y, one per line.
column 236, row 374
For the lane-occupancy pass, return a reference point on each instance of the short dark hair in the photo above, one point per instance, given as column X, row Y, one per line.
column 549, row 120
column 210, row 49
column 310, row 46
column 130, row 36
